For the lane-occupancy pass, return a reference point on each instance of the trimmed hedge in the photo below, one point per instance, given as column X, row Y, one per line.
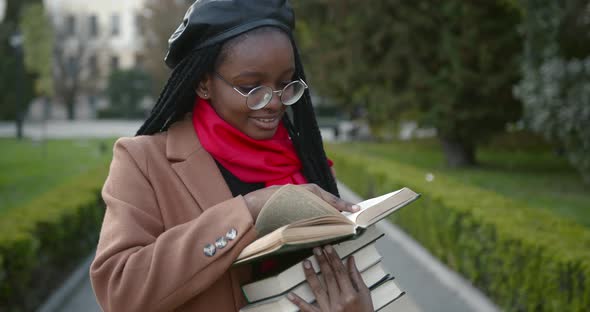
column 41, row 242
column 525, row 259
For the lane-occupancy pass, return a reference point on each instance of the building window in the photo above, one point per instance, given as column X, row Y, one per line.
column 93, row 65
column 71, row 25
column 139, row 24
column 114, row 63
column 139, row 61
column 72, row 65
column 115, row 25
column 93, row 27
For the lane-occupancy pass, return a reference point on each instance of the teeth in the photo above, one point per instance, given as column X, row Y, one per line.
column 266, row 120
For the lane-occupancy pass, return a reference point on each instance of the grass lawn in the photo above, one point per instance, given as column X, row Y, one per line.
column 28, row 168
column 536, row 176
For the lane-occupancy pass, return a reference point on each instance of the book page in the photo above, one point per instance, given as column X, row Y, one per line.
column 289, row 204
column 375, row 209
column 367, row 204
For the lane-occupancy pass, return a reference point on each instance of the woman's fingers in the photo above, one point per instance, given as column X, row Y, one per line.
column 343, row 288
column 340, row 272
column 328, row 275
column 335, row 201
column 316, row 287
column 256, row 200
column 355, row 276
column 301, row 304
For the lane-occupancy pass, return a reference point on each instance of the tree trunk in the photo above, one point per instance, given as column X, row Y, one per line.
column 71, row 109
column 20, row 97
column 19, row 127
column 457, row 153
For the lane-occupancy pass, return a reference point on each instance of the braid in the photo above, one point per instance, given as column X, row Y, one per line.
column 306, row 137
column 178, row 95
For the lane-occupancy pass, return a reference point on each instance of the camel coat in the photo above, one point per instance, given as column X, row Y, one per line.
column 166, row 200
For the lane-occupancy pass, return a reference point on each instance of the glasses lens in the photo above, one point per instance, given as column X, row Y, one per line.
column 259, row 97
column 292, row 92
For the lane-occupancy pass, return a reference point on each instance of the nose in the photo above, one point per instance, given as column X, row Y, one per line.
column 275, row 102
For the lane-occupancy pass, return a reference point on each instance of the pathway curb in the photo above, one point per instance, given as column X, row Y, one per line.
column 69, row 287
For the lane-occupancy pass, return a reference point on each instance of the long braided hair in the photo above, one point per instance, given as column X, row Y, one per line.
column 178, row 97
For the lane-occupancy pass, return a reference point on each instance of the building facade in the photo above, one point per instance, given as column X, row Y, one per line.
column 92, row 38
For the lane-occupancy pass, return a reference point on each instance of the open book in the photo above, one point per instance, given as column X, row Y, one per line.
column 295, row 218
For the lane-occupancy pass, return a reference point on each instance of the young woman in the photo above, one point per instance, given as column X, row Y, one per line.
column 183, row 195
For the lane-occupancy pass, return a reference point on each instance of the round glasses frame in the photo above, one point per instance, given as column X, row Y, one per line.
column 269, row 93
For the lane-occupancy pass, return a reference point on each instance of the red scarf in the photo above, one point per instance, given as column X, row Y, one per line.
column 272, row 161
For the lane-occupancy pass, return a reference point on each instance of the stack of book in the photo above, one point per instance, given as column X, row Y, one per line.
column 294, row 219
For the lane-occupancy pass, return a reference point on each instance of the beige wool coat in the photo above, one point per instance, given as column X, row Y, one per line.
column 166, row 200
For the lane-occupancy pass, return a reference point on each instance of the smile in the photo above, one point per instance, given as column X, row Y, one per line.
column 266, row 123
column 266, row 119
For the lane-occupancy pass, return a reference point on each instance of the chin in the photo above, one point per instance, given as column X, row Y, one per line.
column 261, row 135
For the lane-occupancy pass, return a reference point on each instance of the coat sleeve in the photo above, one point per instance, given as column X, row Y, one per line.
column 139, row 266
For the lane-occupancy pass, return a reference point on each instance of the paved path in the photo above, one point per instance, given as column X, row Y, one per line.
column 62, row 129
column 429, row 285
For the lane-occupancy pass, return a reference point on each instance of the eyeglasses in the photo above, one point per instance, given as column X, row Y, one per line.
column 260, row 96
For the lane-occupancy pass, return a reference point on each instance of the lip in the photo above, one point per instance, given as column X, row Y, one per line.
column 266, row 122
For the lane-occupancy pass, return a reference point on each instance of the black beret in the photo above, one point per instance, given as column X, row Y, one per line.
column 208, row 22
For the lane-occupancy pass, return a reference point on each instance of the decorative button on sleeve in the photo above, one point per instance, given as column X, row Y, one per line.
column 221, row 242
column 209, row 250
column 231, row 234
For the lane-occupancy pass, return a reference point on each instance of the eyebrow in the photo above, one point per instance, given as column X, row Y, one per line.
column 245, row 74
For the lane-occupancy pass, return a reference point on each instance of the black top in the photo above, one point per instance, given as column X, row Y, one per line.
column 237, row 186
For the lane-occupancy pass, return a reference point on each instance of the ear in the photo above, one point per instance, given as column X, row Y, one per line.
column 203, row 89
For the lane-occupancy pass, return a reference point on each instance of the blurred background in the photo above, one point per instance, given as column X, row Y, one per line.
column 482, row 106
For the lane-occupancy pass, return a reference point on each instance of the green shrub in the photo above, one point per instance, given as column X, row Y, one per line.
column 525, row 259
column 556, row 72
column 41, row 242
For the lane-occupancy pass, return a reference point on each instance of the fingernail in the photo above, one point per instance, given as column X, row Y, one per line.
column 356, row 207
column 317, row 251
column 329, row 249
column 290, row 296
column 307, row 264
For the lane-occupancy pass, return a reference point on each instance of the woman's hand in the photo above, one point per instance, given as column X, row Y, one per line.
column 344, row 289
column 256, row 200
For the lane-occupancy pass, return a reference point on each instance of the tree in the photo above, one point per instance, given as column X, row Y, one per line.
column 159, row 20
column 74, row 71
column 126, row 91
column 38, row 47
column 454, row 61
column 16, row 83
column 555, row 88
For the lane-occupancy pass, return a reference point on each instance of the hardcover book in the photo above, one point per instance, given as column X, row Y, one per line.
column 372, row 276
column 386, row 295
column 363, row 247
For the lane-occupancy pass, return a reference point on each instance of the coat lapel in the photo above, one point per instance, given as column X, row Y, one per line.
column 194, row 165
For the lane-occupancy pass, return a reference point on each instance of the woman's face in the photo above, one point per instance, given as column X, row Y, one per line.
column 264, row 58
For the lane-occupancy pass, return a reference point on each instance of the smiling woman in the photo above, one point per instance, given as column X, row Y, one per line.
column 262, row 61
column 233, row 122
